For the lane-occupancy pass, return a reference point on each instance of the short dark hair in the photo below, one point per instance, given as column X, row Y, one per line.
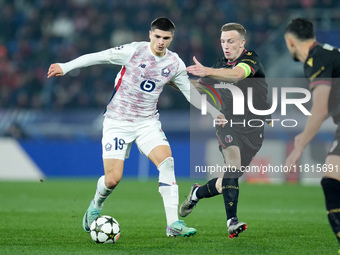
column 163, row 24
column 302, row 28
column 234, row 26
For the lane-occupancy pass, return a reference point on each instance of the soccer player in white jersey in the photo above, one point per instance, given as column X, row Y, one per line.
column 132, row 116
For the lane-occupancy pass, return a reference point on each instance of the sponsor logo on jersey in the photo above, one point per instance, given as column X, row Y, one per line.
column 150, row 78
column 165, row 72
column 249, row 60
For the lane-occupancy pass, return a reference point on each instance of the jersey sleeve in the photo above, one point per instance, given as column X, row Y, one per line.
column 181, row 79
column 83, row 61
column 121, row 55
column 318, row 70
column 118, row 56
column 251, row 60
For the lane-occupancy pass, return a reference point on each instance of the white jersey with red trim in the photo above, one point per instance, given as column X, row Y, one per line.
column 140, row 82
column 141, row 79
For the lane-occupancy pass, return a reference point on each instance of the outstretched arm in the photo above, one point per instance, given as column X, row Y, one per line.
column 60, row 69
column 223, row 74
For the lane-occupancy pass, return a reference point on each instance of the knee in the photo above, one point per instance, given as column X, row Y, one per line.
column 113, row 172
column 233, row 174
column 166, row 172
column 167, row 165
column 111, row 181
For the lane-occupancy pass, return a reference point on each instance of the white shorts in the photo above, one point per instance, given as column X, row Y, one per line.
column 118, row 136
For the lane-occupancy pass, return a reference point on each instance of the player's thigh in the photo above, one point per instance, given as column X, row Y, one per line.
column 232, row 156
column 230, row 144
column 333, row 157
column 117, row 139
column 332, row 162
column 152, row 141
column 113, row 169
column 251, row 144
column 159, row 154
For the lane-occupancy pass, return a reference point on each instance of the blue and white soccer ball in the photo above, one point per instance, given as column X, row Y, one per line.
column 105, row 229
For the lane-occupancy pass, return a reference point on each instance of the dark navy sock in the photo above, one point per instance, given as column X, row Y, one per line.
column 230, row 191
column 331, row 189
column 207, row 190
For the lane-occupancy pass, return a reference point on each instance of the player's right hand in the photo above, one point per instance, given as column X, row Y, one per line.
column 221, row 121
column 54, row 70
column 198, row 69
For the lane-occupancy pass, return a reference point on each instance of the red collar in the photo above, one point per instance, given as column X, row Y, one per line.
column 313, row 45
column 232, row 63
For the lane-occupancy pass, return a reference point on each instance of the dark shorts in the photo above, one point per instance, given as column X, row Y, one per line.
column 248, row 143
column 335, row 147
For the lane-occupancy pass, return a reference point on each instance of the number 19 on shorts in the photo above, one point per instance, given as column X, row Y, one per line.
column 118, row 143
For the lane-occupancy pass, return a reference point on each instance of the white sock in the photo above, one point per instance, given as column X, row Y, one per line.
column 170, row 201
column 102, row 193
column 168, row 189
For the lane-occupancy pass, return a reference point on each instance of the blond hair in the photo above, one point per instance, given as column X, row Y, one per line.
column 234, row 26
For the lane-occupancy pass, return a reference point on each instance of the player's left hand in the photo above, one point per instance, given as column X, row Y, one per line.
column 198, row 69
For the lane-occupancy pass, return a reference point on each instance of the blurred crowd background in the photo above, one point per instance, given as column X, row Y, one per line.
column 36, row 33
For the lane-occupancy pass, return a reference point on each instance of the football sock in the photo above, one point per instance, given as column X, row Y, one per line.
column 168, row 189
column 205, row 191
column 331, row 188
column 102, row 193
column 230, row 191
column 170, row 201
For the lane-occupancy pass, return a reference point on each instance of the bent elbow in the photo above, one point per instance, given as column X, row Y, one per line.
column 324, row 114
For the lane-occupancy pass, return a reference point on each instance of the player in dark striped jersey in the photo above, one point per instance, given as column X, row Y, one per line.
column 239, row 141
column 322, row 69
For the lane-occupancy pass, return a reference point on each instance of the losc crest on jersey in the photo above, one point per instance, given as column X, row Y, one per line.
column 165, row 72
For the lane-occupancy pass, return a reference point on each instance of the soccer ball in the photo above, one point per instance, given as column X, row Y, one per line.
column 105, row 229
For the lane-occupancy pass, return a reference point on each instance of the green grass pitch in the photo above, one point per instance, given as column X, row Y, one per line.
column 45, row 218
